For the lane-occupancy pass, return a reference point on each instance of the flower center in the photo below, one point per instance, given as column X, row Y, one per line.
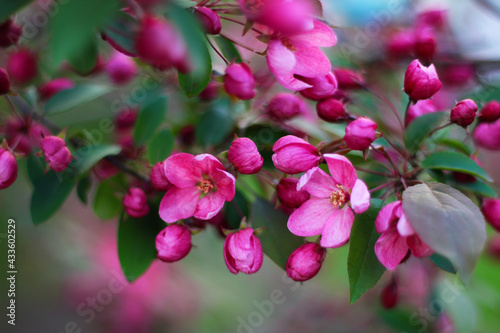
column 340, row 197
column 205, row 185
column 288, row 44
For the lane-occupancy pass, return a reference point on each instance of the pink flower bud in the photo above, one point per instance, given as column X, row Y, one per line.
column 22, row 66
column 243, row 252
column 348, row 79
column 293, row 155
column 210, row 92
column 464, row 113
column 331, row 110
column 305, row 262
column 136, row 203
column 491, row 212
column 487, row 135
column 490, row 112
column 125, row 120
column 322, row 87
column 419, row 109
column 4, row 82
column 434, row 18
column 105, row 169
column 401, row 44
column 160, row 45
column 493, row 247
column 121, row 69
column 209, row 19
column 173, row 243
column 425, row 45
column 158, row 178
column 8, row 168
column 239, row 81
column 360, row 133
column 56, row 152
column 49, row 89
column 390, row 295
column 421, row 82
column 288, row 194
column 457, row 74
column 244, row 156
column 9, row 33
column 285, row 106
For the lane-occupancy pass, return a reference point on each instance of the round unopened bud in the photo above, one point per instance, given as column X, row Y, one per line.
column 487, row 135
column 9, row 33
column 244, row 156
column 8, row 168
column 22, row 66
column 243, row 252
column 4, row 82
column 121, row 69
column 322, row 87
column 173, row 243
column 285, row 106
column 419, row 109
column 360, row 133
column 421, row 82
column 210, row 92
column 491, row 212
column 239, row 81
column 288, row 194
column 464, row 113
column 305, row 262
column 209, row 19
column 490, row 112
column 158, row 178
column 49, row 89
column 457, row 74
column 348, row 79
column 425, row 45
column 331, row 110
column 390, row 295
column 493, row 247
column 125, row 120
column 56, row 153
column 401, row 44
column 136, row 203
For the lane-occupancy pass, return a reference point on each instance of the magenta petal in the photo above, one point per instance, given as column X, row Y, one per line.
column 311, row 62
column 337, row 228
column 227, row 257
column 289, row 139
column 209, row 205
column 296, row 157
column 309, row 219
column 387, row 216
column 317, row 182
column 404, row 227
column 341, row 170
column 225, row 184
column 179, row 203
column 391, row 248
column 360, row 197
column 207, row 163
column 418, row 248
column 179, row 170
column 321, row 35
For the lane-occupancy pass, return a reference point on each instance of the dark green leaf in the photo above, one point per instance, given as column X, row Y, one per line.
column 455, row 144
column 9, row 8
column 228, row 49
column 83, row 187
column 235, row 210
column 419, row 129
column 477, row 187
column 122, row 31
column 36, row 168
column 277, row 241
column 215, row 124
column 402, row 320
column 106, row 202
column 453, row 161
column 86, row 157
column 136, row 243
column 71, row 98
column 150, row 118
column 51, row 190
column 443, row 263
column 362, row 264
column 448, row 222
column 198, row 78
column 161, row 146
column 85, row 60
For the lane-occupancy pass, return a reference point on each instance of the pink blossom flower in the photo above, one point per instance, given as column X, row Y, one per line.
column 421, row 82
column 425, row 44
column 419, row 109
column 8, row 168
column 173, row 243
column 200, row 186
column 25, row 133
column 10, row 33
column 487, row 135
column 243, row 252
column 464, row 113
column 491, row 212
column 239, row 81
column 400, row 44
column 390, row 295
column 490, row 112
column 348, row 79
column 360, row 133
column 136, row 203
column 397, row 237
column 244, row 156
column 288, row 194
column 49, row 89
column 305, row 262
column 125, row 120
column 158, row 178
column 209, row 20
column 331, row 110
column 4, row 82
column 121, row 69
column 321, row 87
column 56, row 152
column 298, row 54
column 329, row 211
column 285, row 106
column 293, row 155
column 22, row 66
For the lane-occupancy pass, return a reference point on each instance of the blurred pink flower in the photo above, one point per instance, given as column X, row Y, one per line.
column 8, row 168
column 56, row 153
column 49, row 89
column 419, row 109
column 136, row 203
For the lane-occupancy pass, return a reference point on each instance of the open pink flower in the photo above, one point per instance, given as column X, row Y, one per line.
column 397, row 237
column 298, row 54
column 200, row 186
column 293, row 155
column 329, row 211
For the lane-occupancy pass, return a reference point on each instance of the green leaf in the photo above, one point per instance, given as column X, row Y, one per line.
column 75, row 25
column 88, row 156
column 362, row 264
column 215, row 124
column 197, row 79
column 419, row 129
column 277, row 241
column 9, row 8
column 136, row 243
column 122, row 31
column 161, row 146
column 235, row 210
column 106, row 203
column 228, row 49
column 36, row 168
column 85, row 60
column 455, row 144
column 51, row 191
column 150, row 118
column 477, row 187
column 83, row 187
column 453, row 161
column 401, row 320
column 443, row 263
column 448, row 222
column 71, row 98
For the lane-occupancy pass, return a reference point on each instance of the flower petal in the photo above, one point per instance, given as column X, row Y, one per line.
column 179, row 203
column 311, row 62
column 418, row 248
column 404, row 227
column 207, row 163
column 337, row 228
column 387, row 216
column 341, row 169
column 179, row 170
column 225, row 184
column 209, row 205
column 360, row 197
column 391, row 248
column 289, row 139
column 309, row 219
column 321, row 35
column 317, row 182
